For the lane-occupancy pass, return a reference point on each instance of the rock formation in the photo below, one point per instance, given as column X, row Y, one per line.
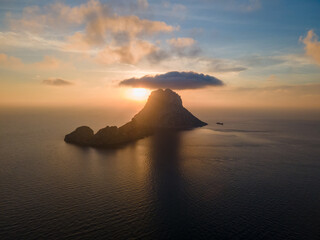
column 81, row 136
column 163, row 110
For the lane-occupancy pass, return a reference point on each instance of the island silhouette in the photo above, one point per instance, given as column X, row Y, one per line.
column 163, row 111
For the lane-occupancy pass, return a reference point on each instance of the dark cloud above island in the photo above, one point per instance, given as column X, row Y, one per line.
column 174, row 80
column 56, row 82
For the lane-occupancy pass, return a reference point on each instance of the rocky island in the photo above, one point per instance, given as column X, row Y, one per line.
column 163, row 110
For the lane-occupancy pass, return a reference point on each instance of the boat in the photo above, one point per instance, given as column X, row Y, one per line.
column 219, row 123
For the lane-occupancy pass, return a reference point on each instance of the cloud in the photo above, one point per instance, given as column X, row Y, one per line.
column 130, row 53
column 272, row 78
column 178, row 47
column 244, row 6
column 47, row 63
column 306, row 89
column 159, row 55
column 143, row 4
column 294, row 96
column 27, row 40
column 225, row 69
column 9, row 61
column 57, row 16
column 175, row 10
column 262, row 61
column 312, row 46
column 174, row 80
column 98, row 20
column 252, row 5
column 56, row 82
column 179, row 11
column 186, row 52
column 167, row 61
column 97, row 32
column 288, row 61
column 218, row 65
column 101, row 33
column 181, row 42
column 222, row 65
column 97, row 29
column 184, row 47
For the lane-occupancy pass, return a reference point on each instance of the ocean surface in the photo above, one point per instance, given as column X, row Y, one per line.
column 255, row 177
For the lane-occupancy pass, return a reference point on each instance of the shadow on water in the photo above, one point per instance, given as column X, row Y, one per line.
column 168, row 186
column 165, row 175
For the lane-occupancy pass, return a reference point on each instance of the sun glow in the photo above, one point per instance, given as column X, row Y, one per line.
column 138, row 94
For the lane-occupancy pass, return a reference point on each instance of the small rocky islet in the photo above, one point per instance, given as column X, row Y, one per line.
column 163, row 110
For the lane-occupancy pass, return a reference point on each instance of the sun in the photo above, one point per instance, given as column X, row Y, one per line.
column 138, row 94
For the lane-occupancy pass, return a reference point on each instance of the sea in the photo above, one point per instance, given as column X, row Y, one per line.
column 255, row 177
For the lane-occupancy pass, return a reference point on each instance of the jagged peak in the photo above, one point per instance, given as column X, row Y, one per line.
column 167, row 96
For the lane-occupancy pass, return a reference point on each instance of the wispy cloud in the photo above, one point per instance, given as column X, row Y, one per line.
column 181, row 42
column 130, row 53
column 143, row 4
column 9, row 61
column 184, row 47
column 96, row 31
column 244, row 6
column 101, row 33
column 174, row 80
column 300, row 89
column 28, row 40
column 175, row 10
column 292, row 61
column 312, row 46
column 56, row 82
column 47, row 63
column 223, row 66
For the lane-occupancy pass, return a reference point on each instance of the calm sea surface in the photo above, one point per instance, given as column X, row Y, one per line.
column 256, row 177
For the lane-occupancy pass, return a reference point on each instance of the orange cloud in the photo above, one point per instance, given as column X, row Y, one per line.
column 98, row 19
column 312, row 46
column 97, row 29
column 76, row 42
column 48, row 63
column 105, row 36
column 57, row 15
column 27, row 40
column 8, row 61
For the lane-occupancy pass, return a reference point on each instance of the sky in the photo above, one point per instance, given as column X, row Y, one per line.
column 225, row 53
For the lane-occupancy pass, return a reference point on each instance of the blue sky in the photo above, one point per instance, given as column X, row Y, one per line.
column 273, row 25
column 245, row 43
